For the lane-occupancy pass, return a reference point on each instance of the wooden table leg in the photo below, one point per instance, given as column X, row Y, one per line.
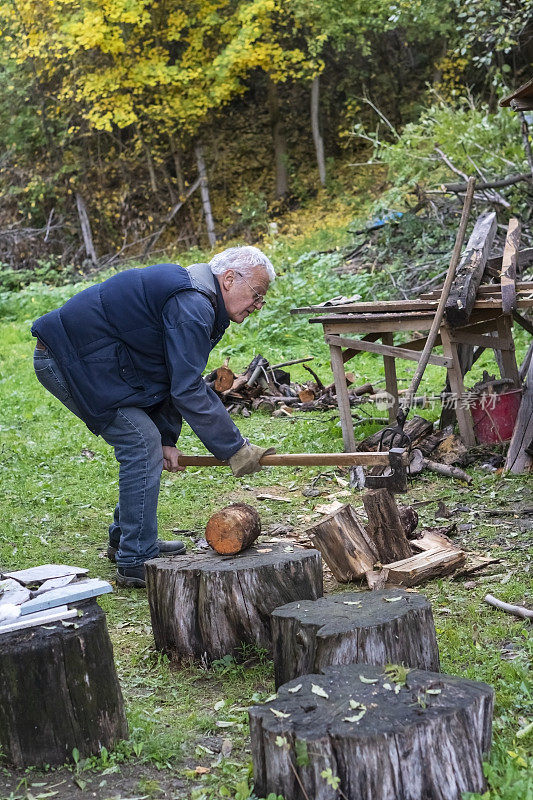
column 508, row 365
column 455, row 377
column 391, row 383
column 343, row 398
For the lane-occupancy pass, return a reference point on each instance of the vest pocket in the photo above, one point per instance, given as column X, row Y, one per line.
column 127, row 369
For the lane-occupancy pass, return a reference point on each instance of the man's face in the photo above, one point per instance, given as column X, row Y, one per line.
column 243, row 294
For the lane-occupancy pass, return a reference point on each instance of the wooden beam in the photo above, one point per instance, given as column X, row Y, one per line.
column 384, row 350
column 518, row 460
column 470, row 271
column 509, row 262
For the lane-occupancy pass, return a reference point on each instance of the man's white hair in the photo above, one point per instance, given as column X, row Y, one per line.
column 242, row 259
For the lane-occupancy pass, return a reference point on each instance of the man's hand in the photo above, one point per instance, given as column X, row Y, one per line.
column 246, row 460
column 170, row 459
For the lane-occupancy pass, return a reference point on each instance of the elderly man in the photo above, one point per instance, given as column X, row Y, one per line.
column 126, row 356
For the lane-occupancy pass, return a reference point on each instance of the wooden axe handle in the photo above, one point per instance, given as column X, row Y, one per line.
column 298, row 460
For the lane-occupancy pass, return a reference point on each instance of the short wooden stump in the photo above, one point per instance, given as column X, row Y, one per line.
column 207, row 606
column 59, row 691
column 353, row 732
column 382, row 627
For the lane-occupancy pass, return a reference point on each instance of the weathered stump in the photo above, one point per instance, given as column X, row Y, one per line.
column 232, row 529
column 59, row 691
column 207, row 606
column 424, row 737
column 380, row 627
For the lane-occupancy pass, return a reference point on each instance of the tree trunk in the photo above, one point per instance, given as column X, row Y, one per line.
column 59, row 691
column 204, row 190
column 280, row 144
column 178, row 167
column 374, row 741
column 86, row 231
column 353, row 628
column 207, row 606
column 315, row 126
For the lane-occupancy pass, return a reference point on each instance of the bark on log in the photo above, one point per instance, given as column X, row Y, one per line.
column 379, row 627
column 207, row 606
column 344, row 544
column 232, row 529
column 416, row 428
column 470, row 271
column 409, row 520
column 385, row 527
column 425, row 741
column 59, row 691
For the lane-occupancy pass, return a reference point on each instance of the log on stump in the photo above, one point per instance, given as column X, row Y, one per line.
column 372, row 740
column 344, row 544
column 59, row 691
column 380, row 627
column 233, row 529
column 207, row 606
column 385, row 527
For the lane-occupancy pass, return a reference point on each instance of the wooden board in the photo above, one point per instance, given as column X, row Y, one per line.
column 39, row 618
column 43, row 573
column 82, row 590
column 434, row 563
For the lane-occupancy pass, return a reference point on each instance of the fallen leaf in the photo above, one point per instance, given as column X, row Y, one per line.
column 351, row 603
column 270, row 698
column 433, row 691
column 319, row 691
column 388, row 687
column 202, row 770
column 367, row 680
column 357, row 717
column 219, row 705
column 295, row 689
column 392, row 599
column 279, row 714
column 355, row 704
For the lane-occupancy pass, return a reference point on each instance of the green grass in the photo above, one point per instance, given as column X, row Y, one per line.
column 57, row 505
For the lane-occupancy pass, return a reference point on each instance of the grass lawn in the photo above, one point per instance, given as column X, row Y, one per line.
column 188, row 725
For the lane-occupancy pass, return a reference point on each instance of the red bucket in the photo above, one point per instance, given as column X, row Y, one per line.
column 494, row 416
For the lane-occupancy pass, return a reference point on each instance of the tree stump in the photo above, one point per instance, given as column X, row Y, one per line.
column 354, row 732
column 207, row 606
column 59, row 691
column 232, row 529
column 380, row 627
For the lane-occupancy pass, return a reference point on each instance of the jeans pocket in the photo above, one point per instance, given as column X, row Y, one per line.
column 47, row 376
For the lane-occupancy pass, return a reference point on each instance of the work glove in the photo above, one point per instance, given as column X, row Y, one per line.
column 246, row 460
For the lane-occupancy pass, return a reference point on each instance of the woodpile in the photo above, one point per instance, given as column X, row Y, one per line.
column 268, row 387
column 384, row 551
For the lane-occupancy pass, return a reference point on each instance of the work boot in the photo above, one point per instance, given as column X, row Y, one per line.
column 131, row 576
column 175, row 548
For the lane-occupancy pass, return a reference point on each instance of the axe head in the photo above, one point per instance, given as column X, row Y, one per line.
column 394, row 476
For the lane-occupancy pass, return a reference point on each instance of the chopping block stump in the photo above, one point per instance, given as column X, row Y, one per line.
column 425, row 739
column 207, row 606
column 59, row 691
column 381, row 627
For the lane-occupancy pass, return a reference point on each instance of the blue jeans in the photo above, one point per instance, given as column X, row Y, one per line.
column 137, row 444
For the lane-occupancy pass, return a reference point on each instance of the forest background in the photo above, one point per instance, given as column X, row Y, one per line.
column 112, row 110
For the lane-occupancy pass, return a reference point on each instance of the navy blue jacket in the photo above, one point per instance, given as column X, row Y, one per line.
column 142, row 338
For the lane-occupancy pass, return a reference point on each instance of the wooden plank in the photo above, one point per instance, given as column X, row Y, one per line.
column 366, row 325
column 518, row 460
column 343, row 398
column 39, row 618
column 488, row 342
column 509, row 263
column 468, row 276
column 44, row 573
column 523, row 287
column 384, row 349
column 455, row 378
column 82, row 590
column 525, row 257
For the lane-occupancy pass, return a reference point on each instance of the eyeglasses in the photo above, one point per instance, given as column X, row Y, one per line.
column 258, row 299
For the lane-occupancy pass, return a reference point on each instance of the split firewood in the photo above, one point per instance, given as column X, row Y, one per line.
column 385, row 527
column 429, row 564
column 517, row 611
column 344, row 543
column 232, row 529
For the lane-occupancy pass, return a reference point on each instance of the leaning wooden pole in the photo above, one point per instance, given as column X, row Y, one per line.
column 204, row 191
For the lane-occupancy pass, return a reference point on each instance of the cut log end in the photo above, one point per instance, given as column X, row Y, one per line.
column 233, row 529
